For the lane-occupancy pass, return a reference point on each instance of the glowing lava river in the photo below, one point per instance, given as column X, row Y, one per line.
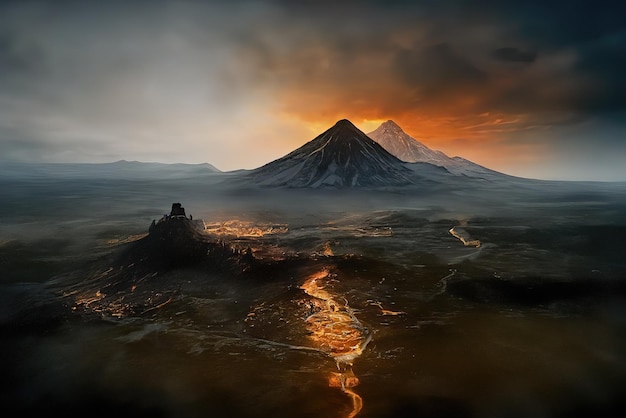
column 144, row 281
column 336, row 331
column 349, row 318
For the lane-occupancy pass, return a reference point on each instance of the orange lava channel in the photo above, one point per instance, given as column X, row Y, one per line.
column 336, row 331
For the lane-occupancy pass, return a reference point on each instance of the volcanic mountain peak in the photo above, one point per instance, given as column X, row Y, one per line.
column 391, row 137
column 391, row 127
column 344, row 130
column 405, row 147
column 342, row 156
column 344, row 123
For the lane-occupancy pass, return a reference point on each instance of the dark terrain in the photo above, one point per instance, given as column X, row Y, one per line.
column 99, row 316
column 335, row 281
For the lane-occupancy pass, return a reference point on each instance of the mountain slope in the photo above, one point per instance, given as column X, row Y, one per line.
column 391, row 137
column 343, row 156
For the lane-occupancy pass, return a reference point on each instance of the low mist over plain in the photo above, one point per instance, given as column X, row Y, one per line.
column 321, row 209
column 345, row 280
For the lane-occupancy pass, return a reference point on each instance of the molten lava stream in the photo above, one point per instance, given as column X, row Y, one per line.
column 336, row 331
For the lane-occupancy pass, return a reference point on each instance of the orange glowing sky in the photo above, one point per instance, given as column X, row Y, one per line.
column 528, row 89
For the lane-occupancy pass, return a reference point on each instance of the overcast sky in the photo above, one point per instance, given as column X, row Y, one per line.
column 518, row 86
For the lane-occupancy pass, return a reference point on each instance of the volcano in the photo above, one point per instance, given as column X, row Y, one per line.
column 342, row 156
column 406, row 148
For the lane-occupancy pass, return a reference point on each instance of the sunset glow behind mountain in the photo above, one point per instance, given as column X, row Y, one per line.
column 528, row 89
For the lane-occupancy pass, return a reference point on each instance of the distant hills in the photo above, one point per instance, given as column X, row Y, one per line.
column 128, row 170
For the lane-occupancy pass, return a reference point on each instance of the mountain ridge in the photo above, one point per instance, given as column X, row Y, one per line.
column 121, row 169
column 406, row 148
column 341, row 156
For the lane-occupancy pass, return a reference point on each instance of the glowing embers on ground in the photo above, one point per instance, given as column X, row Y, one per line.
column 239, row 229
column 463, row 236
column 336, row 331
column 122, row 305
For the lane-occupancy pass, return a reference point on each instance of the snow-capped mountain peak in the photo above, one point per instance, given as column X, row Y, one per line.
column 406, row 148
column 391, row 127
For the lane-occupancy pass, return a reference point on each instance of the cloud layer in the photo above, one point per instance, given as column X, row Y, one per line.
column 507, row 84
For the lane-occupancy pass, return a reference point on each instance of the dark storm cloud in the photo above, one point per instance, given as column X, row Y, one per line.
column 573, row 52
column 431, row 49
column 514, row 55
column 436, row 67
column 17, row 57
column 561, row 23
column 602, row 64
column 119, row 77
column 116, row 67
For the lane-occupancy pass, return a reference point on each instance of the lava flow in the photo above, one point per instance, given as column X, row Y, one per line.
column 337, row 332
